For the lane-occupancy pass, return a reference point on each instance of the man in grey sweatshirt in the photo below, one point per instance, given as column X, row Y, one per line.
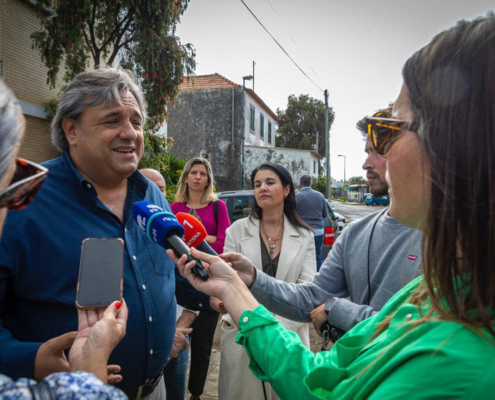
column 371, row 260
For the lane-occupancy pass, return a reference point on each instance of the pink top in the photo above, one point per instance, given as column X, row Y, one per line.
column 208, row 220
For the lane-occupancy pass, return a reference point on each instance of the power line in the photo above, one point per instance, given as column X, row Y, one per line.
column 279, row 45
column 292, row 38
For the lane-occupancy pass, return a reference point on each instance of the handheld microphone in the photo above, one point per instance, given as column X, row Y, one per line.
column 195, row 233
column 163, row 228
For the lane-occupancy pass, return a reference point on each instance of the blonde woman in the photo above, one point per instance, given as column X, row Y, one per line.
column 195, row 196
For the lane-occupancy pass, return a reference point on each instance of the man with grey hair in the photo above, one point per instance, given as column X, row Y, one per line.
column 312, row 208
column 89, row 192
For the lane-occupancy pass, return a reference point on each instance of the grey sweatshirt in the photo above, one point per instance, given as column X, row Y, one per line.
column 394, row 260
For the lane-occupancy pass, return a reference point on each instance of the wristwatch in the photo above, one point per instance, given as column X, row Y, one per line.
column 329, row 304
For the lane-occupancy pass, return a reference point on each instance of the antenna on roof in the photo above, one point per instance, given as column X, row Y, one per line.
column 254, row 63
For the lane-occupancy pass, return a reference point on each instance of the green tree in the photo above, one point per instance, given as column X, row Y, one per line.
column 158, row 156
column 302, row 122
column 319, row 184
column 140, row 32
column 356, row 180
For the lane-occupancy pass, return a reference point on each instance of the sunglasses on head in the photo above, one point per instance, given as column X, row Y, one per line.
column 383, row 132
column 26, row 181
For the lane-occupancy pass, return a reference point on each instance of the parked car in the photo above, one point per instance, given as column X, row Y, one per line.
column 239, row 203
column 334, row 224
column 341, row 221
column 377, row 201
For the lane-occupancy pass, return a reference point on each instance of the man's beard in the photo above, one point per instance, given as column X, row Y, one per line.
column 380, row 186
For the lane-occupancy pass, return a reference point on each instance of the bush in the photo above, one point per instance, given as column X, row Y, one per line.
column 320, row 184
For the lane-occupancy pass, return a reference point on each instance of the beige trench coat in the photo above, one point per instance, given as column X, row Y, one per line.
column 297, row 264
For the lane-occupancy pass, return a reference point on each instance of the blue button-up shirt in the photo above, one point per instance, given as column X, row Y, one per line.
column 39, row 263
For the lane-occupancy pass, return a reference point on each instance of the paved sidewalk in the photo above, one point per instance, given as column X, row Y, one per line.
column 210, row 391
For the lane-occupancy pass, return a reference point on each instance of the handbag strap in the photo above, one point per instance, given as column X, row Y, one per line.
column 193, row 212
column 215, row 215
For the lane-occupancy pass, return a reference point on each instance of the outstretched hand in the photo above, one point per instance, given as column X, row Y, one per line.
column 51, row 358
column 319, row 317
column 223, row 283
column 99, row 331
column 244, row 267
column 221, row 274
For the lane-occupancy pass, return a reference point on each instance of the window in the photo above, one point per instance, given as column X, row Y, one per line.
column 314, row 167
column 269, row 132
column 241, row 206
column 262, row 127
column 252, row 117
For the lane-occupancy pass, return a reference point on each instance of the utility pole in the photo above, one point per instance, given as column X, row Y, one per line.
column 317, row 147
column 244, row 79
column 254, row 63
column 327, row 148
column 345, row 182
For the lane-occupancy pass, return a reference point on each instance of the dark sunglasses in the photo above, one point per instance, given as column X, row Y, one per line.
column 26, row 181
column 383, row 132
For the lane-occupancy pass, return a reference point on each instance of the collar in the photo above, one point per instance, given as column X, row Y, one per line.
column 386, row 219
column 137, row 180
column 253, row 227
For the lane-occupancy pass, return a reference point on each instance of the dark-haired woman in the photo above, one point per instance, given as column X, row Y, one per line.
column 436, row 337
column 278, row 242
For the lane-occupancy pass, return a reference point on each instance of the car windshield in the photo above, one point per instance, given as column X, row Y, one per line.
column 330, row 211
column 241, row 207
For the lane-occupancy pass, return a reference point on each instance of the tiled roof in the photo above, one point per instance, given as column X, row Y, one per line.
column 217, row 81
column 214, row 81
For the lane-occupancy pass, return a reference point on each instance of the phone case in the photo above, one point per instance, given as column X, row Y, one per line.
column 84, row 250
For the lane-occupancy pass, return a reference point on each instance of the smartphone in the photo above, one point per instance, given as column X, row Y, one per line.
column 101, row 272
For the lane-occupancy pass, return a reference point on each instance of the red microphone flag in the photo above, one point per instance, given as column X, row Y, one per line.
column 195, row 232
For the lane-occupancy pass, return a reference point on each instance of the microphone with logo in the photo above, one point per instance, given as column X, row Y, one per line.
column 163, row 228
column 195, row 233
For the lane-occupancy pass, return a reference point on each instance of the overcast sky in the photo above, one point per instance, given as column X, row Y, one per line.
column 353, row 48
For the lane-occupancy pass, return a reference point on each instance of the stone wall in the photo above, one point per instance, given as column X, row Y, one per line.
column 209, row 123
column 298, row 162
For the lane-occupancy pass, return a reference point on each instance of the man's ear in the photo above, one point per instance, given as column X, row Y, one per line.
column 70, row 128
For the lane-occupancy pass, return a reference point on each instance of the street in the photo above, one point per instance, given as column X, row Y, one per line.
column 353, row 211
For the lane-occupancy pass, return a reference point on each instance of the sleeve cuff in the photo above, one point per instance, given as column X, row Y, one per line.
column 259, row 283
column 17, row 361
column 249, row 321
column 252, row 319
column 338, row 313
column 193, row 311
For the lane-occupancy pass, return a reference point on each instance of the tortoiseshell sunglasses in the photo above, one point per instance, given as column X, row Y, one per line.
column 25, row 183
column 383, row 132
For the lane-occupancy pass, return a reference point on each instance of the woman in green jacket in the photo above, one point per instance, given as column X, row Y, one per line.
column 435, row 338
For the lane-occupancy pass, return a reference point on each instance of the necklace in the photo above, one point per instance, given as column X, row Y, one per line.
column 273, row 239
